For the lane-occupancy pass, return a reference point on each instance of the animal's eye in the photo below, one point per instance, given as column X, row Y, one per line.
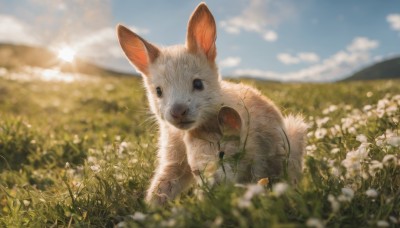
column 198, row 84
column 159, row 92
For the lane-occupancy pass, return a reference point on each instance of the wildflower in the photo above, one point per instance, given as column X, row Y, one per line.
column 218, row 221
column 76, row 139
column 122, row 147
column 252, row 190
column 26, row 203
column 388, row 159
column 394, row 141
column 95, row 168
column 117, row 138
column 361, row 138
column 330, row 109
column 382, row 223
column 353, row 160
column 347, row 195
column 280, row 188
column 371, row 193
column 335, row 171
column 320, row 133
column 334, row 203
column 374, row 167
column 138, row 216
column 67, row 165
column 314, row 222
column 322, row 121
column 369, row 94
column 335, row 150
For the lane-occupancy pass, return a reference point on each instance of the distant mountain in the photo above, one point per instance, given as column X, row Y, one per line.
column 14, row 57
column 387, row 69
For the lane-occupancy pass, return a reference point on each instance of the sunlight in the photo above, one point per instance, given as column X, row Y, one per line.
column 67, row 54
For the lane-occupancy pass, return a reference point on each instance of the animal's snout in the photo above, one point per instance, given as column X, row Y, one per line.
column 179, row 111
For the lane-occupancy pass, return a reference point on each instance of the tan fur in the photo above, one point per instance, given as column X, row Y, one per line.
column 190, row 130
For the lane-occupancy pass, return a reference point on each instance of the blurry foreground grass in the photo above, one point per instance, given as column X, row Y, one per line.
column 82, row 154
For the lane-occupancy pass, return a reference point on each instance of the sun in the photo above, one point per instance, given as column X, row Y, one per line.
column 66, row 54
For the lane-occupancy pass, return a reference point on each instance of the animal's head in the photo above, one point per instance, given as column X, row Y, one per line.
column 182, row 82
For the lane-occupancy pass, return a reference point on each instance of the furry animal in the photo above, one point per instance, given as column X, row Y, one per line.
column 186, row 94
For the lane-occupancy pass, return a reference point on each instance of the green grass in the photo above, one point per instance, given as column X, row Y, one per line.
column 82, row 154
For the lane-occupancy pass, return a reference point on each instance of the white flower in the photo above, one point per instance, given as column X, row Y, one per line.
column 335, row 150
column 389, row 158
column 361, row 138
column 348, row 192
column 76, row 139
column 138, row 216
column 394, row 141
column 280, row 188
column 322, row 121
column 334, row 203
column 374, row 167
column 252, row 190
column 371, row 193
column 314, row 222
column 347, row 195
column 95, row 168
column 320, row 133
column 330, row 109
column 382, row 223
column 335, row 171
column 353, row 160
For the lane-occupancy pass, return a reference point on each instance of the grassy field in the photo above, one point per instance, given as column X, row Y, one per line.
column 81, row 153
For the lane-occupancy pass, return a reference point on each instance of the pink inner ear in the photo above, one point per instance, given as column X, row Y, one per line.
column 202, row 32
column 231, row 121
column 138, row 51
column 205, row 37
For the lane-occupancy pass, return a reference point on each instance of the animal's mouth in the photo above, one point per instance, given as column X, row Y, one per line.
column 185, row 124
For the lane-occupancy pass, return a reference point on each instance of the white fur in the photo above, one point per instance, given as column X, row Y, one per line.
column 189, row 145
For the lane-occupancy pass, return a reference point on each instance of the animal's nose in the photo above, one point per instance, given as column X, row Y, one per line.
column 178, row 111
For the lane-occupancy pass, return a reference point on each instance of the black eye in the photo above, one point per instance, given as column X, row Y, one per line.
column 159, row 92
column 198, row 84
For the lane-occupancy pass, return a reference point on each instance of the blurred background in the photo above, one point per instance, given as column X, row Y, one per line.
column 285, row 40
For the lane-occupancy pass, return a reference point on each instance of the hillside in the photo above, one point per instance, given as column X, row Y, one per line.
column 387, row 69
column 13, row 57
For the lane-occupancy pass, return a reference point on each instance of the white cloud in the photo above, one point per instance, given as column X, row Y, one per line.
column 270, row 36
column 230, row 62
column 394, row 21
column 287, row 59
column 362, row 44
column 338, row 65
column 15, row 31
column 306, row 57
column 257, row 17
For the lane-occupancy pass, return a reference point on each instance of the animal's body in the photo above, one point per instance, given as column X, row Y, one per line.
column 186, row 94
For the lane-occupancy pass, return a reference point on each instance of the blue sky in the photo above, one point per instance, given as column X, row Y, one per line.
column 301, row 40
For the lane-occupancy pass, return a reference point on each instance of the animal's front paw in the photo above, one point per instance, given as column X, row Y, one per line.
column 161, row 195
column 157, row 200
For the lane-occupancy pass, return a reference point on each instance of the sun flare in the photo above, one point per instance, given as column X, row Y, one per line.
column 66, row 54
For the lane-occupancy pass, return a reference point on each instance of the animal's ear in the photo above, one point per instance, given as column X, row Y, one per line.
column 139, row 52
column 202, row 32
column 229, row 121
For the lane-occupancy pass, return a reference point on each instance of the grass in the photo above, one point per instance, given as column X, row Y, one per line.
column 82, row 154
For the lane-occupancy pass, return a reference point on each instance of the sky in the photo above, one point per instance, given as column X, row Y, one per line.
column 285, row 40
